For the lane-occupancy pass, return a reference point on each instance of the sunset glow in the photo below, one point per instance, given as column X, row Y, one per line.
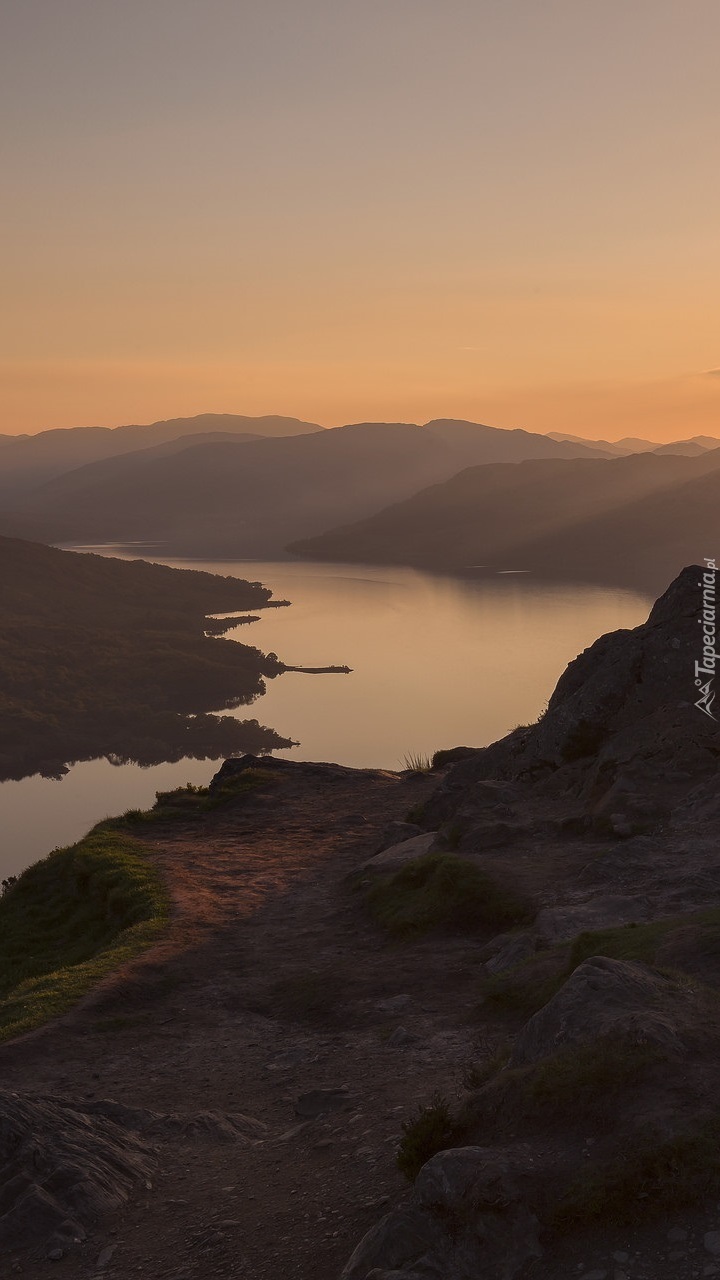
column 508, row 213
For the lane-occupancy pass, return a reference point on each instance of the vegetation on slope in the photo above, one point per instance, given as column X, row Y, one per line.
column 71, row 919
column 108, row 657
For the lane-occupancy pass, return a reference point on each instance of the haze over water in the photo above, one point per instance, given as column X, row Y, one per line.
column 437, row 662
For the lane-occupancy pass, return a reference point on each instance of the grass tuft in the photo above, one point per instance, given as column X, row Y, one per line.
column 442, row 891
column 71, row 919
column 430, row 1131
column 417, row 762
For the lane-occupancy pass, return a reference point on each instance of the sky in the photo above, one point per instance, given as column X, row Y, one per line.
column 501, row 210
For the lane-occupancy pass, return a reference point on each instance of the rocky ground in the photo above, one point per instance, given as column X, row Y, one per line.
column 236, row 1097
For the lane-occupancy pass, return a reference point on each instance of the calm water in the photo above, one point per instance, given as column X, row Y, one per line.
column 437, row 662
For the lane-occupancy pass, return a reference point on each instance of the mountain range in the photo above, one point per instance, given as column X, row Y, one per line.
column 450, row 493
column 236, row 495
column 28, row 461
column 634, row 520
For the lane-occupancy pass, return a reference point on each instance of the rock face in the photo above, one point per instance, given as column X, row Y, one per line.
column 62, row 1169
column 602, row 997
column 621, row 736
column 465, row 1221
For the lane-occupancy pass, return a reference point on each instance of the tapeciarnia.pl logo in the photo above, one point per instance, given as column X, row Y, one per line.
column 709, row 655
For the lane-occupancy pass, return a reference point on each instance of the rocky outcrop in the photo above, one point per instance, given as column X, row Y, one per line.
column 602, row 997
column 466, row 1220
column 61, row 1170
column 621, row 744
column 64, row 1167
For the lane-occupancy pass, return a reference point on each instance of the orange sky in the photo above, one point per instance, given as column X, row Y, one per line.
column 392, row 209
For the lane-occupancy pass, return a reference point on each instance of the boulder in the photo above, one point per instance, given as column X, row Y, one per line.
column 466, row 1220
column 399, row 854
column 602, row 997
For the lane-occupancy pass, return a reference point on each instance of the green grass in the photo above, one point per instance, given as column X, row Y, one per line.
column 530, row 985
column 658, row 1175
column 70, row 920
column 442, row 891
column 431, row 1130
column 190, row 801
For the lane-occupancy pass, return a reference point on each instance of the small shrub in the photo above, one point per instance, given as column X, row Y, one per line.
column 442, row 891
column 430, row 1131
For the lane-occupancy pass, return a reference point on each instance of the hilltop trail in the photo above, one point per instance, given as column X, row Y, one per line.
column 270, row 983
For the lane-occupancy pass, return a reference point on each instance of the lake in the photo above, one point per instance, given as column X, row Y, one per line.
column 437, row 662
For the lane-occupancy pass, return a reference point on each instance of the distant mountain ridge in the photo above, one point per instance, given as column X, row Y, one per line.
column 28, row 461
column 630, row 520
column 630, row 444
column 240, row 496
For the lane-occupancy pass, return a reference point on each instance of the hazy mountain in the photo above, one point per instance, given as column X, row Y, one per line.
column 612, row 447
column 621, row 448
column 633, row 519
column 689, row 448
column 252, row 498
column 28, row 461
column 478, row 443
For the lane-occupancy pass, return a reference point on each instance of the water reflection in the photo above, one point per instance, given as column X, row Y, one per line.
column 437, row 661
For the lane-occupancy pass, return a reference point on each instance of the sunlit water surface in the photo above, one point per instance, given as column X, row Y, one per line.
column 437, row 662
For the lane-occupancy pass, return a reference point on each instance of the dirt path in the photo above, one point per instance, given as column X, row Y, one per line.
column 271, row 983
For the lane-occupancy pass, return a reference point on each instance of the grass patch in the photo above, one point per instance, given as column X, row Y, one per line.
column 70, row 920
column 442, row 891
column 191, row 801
column 430, row 1131
column 681, row 944
column 658, row 1175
